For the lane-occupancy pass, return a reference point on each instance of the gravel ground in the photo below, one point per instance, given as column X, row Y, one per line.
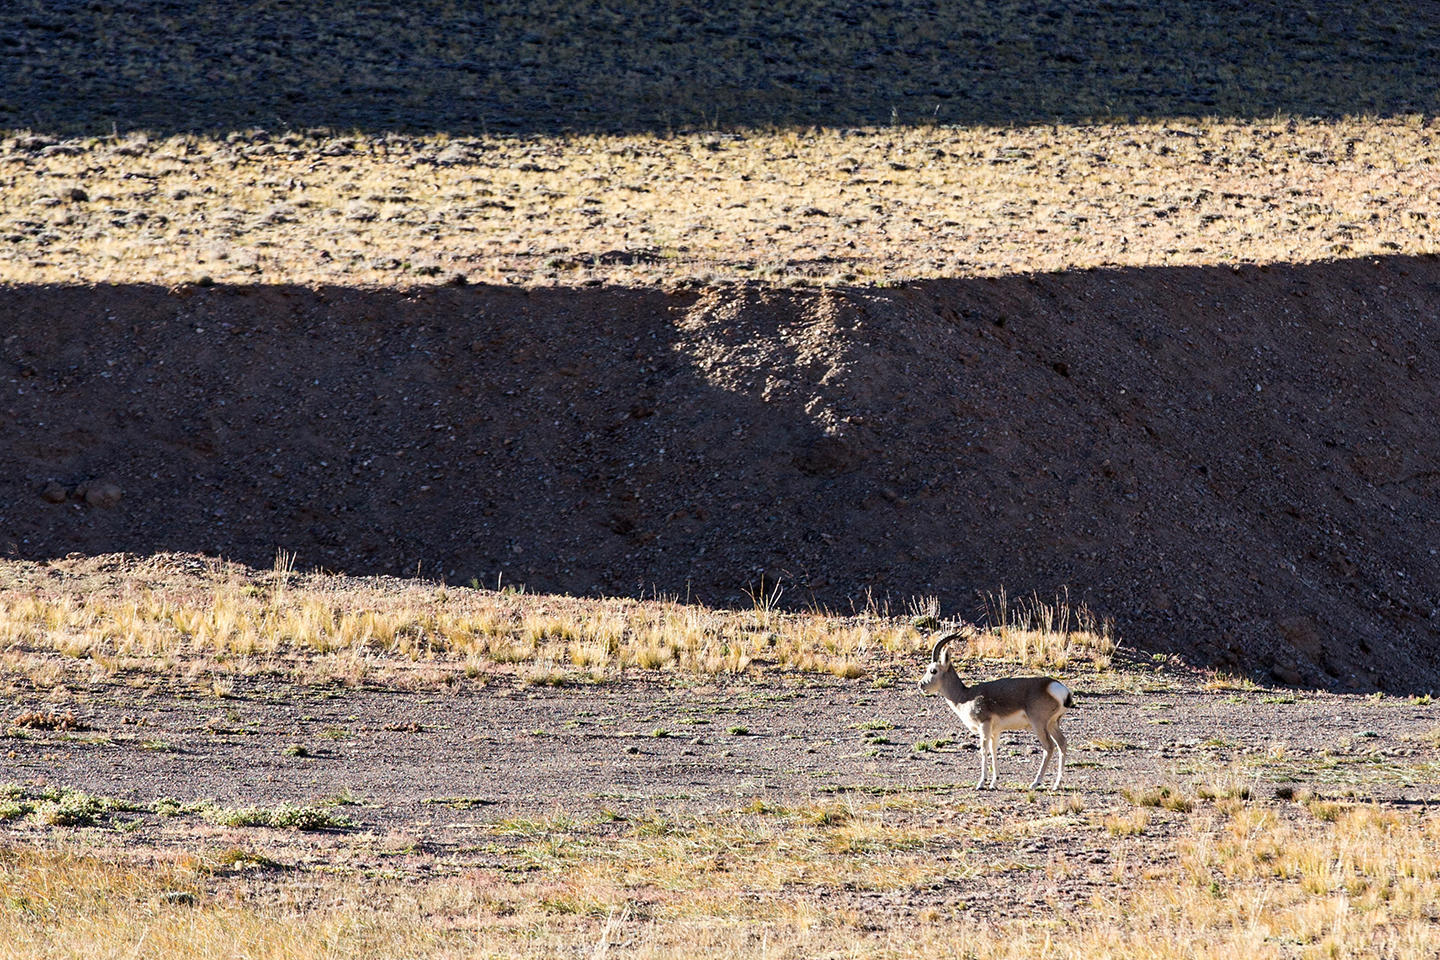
column 445, row 785
column 644, row 745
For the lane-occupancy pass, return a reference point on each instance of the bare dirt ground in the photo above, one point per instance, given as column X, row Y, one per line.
column 654, row 743
column 141, row 717
column 433, row 785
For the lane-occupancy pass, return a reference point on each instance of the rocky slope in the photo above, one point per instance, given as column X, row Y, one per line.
column 1236, row 464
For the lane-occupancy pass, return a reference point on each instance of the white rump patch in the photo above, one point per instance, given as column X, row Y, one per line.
column 1059, row 691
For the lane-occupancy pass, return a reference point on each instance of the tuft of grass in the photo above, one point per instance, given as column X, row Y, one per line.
column 1224, row 790
column 460, row 803
column 238, row 858
column 1128, row 825
column 40, row 720
column 1162, row 796
column 284, row 816
column 61, row 807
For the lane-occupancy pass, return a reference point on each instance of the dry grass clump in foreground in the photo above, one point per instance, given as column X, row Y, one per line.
column 868, row 205
column 1249, row 880
column 164, row 614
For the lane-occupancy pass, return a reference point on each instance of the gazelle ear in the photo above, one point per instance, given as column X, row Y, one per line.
column 944, row 660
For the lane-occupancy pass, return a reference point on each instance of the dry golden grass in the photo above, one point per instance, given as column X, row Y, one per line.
column 1251, row 880
column 231, row 619
column 1040, row 633
column 852, row 206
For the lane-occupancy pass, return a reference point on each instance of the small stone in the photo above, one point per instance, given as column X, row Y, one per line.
column 1301, row 633
column 361, row 212
column 77, row 195
column 452, row 155
column 54, row 493
column 1286, row 673
column 102, row 494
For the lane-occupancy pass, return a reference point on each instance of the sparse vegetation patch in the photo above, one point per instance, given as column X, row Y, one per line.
column 236, row 620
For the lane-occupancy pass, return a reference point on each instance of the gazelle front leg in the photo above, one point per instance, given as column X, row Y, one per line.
column 992, row 736
column 980, row 784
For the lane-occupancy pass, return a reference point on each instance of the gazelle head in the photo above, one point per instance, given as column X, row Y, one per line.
column 939, row 663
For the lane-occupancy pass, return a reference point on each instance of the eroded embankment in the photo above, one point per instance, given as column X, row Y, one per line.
column 1239, row 464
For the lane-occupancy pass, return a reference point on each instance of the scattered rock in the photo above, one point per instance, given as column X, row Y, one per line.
column 361, row 212
column 54, row 493
column 102, row 494
column 76, row 195
column 1300, row 633
column 827, row 456
column 452, row 155
column 1287, row 673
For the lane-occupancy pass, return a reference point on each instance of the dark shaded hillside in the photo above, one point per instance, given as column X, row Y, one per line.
column 91, row 68
column 1238, row 464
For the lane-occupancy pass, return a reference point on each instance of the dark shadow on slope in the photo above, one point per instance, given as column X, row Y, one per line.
column 72, row 67
column 1238, row 464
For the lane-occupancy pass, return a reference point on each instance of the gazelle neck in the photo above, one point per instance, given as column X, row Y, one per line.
column 951, row 686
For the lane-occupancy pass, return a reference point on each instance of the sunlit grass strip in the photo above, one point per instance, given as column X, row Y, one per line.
column 957, row 201
column 239, row 620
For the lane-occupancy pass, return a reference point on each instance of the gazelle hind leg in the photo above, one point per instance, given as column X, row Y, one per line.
column 1048, row 742
column 1060, row 746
